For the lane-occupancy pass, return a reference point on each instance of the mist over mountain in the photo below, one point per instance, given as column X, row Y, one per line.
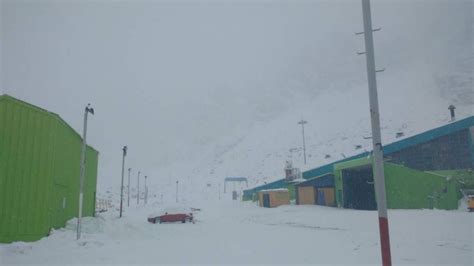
column 201, row 90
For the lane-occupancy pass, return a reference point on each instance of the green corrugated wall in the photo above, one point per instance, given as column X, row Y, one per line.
column 407, row 188
column 39, row 172
column 412, row 189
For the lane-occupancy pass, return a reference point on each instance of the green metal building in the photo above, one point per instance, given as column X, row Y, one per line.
column 39, row 172
column 421, row 170
column 406, row 188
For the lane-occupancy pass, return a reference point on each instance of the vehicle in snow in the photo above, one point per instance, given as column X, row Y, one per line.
column 470, row 203
column 172, row 214
column 174, row 217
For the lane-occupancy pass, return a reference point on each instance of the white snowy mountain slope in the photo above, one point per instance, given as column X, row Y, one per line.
column 428, row 67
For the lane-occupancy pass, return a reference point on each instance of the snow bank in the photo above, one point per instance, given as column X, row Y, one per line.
column 239, row 233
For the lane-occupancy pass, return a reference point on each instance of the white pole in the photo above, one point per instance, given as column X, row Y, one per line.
column 138, row 188
column 378, row 168
column 82, row 169
column 177, row 191
column 121, row 186
column 128, row 187
column 302, row 122
column 146, row 191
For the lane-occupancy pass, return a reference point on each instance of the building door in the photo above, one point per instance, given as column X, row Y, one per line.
column 60, row 206
column 321, row 197
column 306, row 195
column 359, row 192
column 266, row 200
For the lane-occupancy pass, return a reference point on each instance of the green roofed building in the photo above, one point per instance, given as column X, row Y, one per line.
column 39, row 172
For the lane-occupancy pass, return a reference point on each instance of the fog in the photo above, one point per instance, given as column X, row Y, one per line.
column 169, row 78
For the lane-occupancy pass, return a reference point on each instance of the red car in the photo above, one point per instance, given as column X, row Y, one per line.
column 175, row 217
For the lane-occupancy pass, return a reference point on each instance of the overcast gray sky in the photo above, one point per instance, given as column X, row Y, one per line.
column 170, row 77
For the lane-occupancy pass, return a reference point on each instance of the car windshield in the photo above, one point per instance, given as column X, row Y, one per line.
column 226, row 132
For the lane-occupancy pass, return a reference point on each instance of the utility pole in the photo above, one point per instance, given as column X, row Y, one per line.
column 302, row 123
column 88, row 110
column 219, row 191
column 146, row 191
column 378, row 168
column 177, row 191
column 121, row 186
column 138, row 188
column 128, row 187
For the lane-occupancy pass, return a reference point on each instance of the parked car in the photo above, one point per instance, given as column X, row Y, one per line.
column 171, row 217
column 470, row 203
column 172, row 214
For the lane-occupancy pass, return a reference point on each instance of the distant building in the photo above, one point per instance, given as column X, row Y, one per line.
column 273, row 198
column 432, row 157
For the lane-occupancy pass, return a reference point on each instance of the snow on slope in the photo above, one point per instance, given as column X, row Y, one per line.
column 429, row 66
column 336, row 123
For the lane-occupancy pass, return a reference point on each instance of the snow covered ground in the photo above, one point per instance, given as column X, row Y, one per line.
column 229, row 232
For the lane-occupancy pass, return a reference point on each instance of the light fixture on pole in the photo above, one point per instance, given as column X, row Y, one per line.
column 138, row 188
column 302, row 123
column 378, row 167
column 87, row 110
column 128, row 187
column 124, row 149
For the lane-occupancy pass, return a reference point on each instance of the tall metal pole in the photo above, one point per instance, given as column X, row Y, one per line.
column 302, row 122
column 88, row 109
column 138, row 188
column 146, row 191
column 121, row 186
column 378, row 168
column 177, row 191
column 128, row 187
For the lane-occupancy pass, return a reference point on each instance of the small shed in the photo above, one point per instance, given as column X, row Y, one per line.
column 318, row 190
column 273, row 197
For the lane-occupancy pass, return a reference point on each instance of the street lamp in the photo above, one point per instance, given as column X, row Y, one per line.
column 302, row 123
column 87, row 110
column 177, row 191
column 138, row 188
column 146, row 191
column 128, row 187
column 124, row 149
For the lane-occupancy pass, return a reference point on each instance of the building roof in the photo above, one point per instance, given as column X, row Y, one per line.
column 6, row 97
column 275, row 190
column 236, row 179
column 326, row 180
column 388, row 149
